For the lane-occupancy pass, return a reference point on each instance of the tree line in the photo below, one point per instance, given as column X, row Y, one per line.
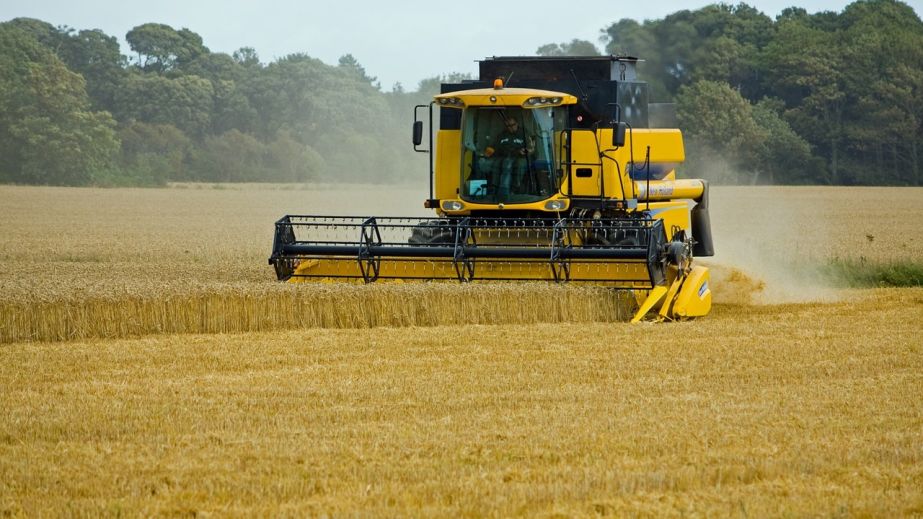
column 75, row 111
column 824, row 98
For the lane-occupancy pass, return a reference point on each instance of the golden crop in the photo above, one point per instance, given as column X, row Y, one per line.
column 384, row 400
column 805, row 410
column 123, row 263
column 77, row 263
column 239, row 307
column 810, row 224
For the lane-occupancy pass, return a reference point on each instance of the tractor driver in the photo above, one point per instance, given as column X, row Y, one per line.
column 512, row 150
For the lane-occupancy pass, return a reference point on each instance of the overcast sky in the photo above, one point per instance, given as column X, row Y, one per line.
column 395, row 41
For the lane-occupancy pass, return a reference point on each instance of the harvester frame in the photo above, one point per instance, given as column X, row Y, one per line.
column 555, row 205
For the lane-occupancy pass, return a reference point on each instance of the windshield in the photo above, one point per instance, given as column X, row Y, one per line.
column 508, row 154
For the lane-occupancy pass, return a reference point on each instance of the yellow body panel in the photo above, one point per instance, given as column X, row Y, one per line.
column 447, row 164
column 694, row 300
column 662, row 148
column 616, row 274
column 588, row 174
column 585, row 179
column 666, row 145
column 504, row 96
column 675, row 214
column 654, row 296
column 690, row 189
column 531, row 206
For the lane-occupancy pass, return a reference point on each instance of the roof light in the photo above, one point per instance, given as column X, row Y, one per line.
column 498, row 83
column 542, row 101
column 450, row 101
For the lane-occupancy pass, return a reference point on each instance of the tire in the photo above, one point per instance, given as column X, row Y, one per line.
column 433, row 232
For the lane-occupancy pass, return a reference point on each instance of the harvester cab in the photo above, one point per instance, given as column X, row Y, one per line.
column 559, row 178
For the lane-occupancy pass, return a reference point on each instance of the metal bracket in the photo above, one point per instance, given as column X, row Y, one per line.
column 369, row 264
column 284, row 235
column 560, row 267
column 464, row 266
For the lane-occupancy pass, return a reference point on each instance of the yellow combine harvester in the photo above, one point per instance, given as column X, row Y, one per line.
column 562, row 177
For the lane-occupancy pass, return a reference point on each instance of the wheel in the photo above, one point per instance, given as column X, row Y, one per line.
column 433, row 232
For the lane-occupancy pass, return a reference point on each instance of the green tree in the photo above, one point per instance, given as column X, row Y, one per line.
column 284, row 94
column 90, row 53
column 882, row 121
column 430, row 86
column 216, row 66
column 723, row 140
column 231, row 157
column 575, row 47
column 718, row 43
column 43, row 32
column 154, row 153
column 309, row 98
column 783, row 157
column 97, row 57
column 48, row 131
column 160, row 48
column 810, row 79
column 351, row 65
column 186, row 102
column 291, row 161
column 231, row 109
column 247, row 57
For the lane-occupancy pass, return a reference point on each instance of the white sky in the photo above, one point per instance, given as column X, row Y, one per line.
column 395, row 41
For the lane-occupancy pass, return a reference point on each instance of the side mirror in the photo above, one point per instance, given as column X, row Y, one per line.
column 618, row 134
column 417, row 133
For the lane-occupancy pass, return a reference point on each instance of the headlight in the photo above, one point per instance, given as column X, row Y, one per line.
column 543, row 101
column 450, row 101
column 555, row 205
column 452, row 205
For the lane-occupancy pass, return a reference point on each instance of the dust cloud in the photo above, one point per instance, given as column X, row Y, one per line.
column 763, row 252
column 766, row 247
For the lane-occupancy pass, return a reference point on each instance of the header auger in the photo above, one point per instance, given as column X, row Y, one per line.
column 563, row 178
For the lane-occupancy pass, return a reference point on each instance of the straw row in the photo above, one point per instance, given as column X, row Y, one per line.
column 265, row 307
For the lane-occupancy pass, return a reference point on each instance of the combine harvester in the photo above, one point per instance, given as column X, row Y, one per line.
column 561, row 178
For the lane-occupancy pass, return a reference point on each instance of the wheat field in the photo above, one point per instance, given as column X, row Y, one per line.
column 109, row 263
column 791, row 399
column 784, row 410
